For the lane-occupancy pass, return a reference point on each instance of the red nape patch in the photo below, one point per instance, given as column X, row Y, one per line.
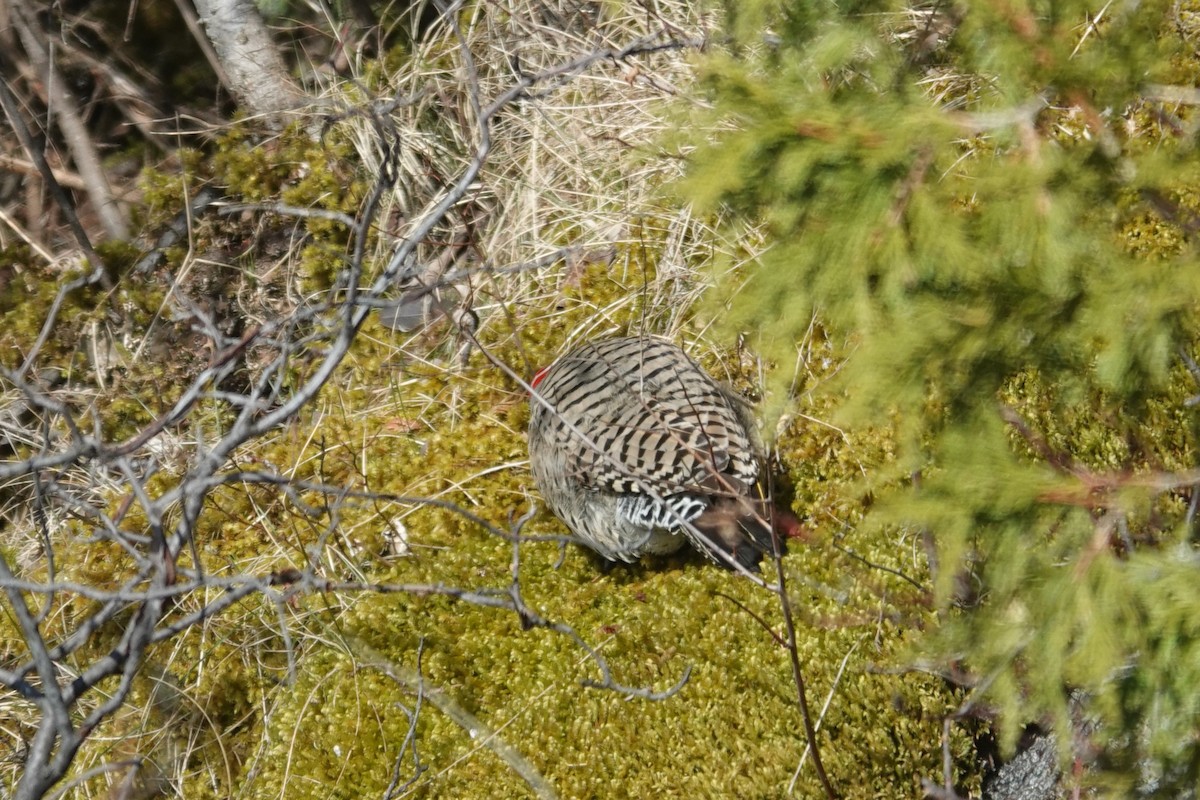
column 538, row 376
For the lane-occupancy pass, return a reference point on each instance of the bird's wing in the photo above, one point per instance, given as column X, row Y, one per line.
column 654, row 423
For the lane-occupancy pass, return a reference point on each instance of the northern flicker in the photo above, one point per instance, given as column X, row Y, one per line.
column 637, row 449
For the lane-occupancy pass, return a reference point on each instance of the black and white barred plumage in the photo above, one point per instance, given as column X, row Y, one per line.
column 635, row 447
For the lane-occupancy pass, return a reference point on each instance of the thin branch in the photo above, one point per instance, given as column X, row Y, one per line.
column 12, row 110
column 793, row 650
column 872, row 565
column 60, row 102
column 394, row 787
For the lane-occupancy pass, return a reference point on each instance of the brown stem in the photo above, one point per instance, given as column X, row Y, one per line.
column 789, row 625
column 63, row 105
column 11, row 109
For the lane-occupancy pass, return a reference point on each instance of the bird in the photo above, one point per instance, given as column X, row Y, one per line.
column 638, row 450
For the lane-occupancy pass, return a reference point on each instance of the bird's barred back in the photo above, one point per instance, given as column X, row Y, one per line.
column 637, row 415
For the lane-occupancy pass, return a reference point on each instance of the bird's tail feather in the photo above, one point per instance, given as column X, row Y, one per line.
column 741, row 530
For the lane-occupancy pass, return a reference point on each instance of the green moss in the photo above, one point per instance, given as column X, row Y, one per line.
column 337, row 729
column 293, row 170
column 733, row 731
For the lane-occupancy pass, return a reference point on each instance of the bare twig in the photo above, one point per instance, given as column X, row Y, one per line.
column 8, row 103
column 793, row 650
column 62, row 104
column 68, row 179
column 394, row 787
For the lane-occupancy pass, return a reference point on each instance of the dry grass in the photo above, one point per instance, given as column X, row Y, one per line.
column 575, row 170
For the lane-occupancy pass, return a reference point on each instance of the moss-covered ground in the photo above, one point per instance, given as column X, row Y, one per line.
column 341, row 694
column 314, row 697
column 734, row 730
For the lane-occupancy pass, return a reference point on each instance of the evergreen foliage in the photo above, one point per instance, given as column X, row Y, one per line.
column 981, row 202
